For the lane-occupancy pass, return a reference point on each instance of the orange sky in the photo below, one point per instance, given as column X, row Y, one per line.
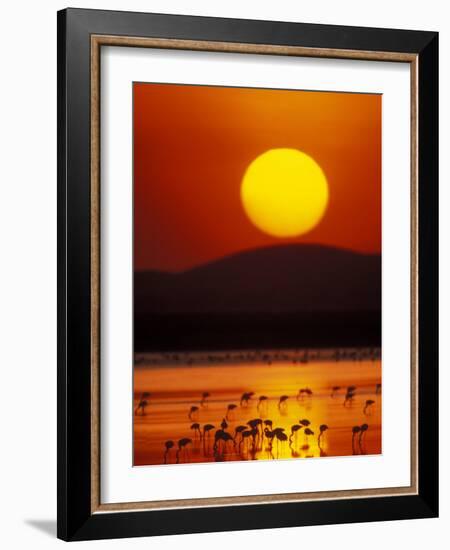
column 192, row 145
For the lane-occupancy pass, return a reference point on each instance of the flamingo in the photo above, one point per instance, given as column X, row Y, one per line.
column 245, row 434
column 368, row 405
column 355, row 430
column 307, row 432
column 262, row 401
column 182, row 444
column 206, row 429
column 322, row 428
column 237, row 431
column 304, row 422
column 221, row 435
column 269, row 435
column 334, row 390
column 230, row 409
column 281, row 437
column 141, row 405
column 302, row 392
column 294, row 429
column 256, row 424
column 349, row 396
column 193, row 412
column 362, row 430
column 205, row 396
column 282, row 403
column 245, row 398
column 169, row 445
column 196, row 427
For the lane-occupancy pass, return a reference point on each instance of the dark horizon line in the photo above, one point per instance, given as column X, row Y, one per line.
column 270, row 247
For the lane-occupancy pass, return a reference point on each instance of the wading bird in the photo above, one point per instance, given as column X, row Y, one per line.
column 238, row 431
column 141, row 405
column 193, row 412
column 196, row 428
column 334, row 390
column 322, row 428
column 282, row 403
column 182, row 444
column 304, row 392
column 363, row 430
column 206, row 435
column 307, row 432
column 304, row 422
column 168, row 445
column 221, row 436
column 262, row 402
column 349, row 396
column 355, row 431
column 294, row 429
column 245, row 398
column 231, row 407
column 204, row 400
column 367, row 406
column 281, row 438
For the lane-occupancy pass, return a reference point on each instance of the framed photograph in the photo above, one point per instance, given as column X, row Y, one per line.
column 247, row 254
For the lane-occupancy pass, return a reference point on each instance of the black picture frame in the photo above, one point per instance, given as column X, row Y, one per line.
column 75, row 518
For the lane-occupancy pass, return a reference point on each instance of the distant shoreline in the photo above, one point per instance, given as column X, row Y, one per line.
column 295, row 356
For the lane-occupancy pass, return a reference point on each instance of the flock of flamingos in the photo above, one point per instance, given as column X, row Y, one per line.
column 221, row 442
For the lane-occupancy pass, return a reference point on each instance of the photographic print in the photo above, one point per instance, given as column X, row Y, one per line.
column 257, row 274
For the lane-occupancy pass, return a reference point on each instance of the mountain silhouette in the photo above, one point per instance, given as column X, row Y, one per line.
column 280, row 290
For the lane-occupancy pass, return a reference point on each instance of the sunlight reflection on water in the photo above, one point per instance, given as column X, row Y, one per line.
column 175, row 388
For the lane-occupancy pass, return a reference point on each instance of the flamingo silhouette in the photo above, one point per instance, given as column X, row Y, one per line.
column 307, row 432
column 282, row 403
column 141, row 405
column 238, row 431
column 322, row 428
column 182, row 444
column 204, row 399
column 206, row 435
column 304, row 392
column 245, row 434
column 224, row 424
column 231, row 407
column 362, row 430
column 294, row 429
column 334, row 390
column 221, row 435
column 281, row 438
column 367, row 406
column 193, row 412
column 255, row 424
column 169, row 445
column 269, row 435
column 304, row 422
column 196, row 427
column 355, row 431
column 349, row 396
column 245, row 398
column 261, row 402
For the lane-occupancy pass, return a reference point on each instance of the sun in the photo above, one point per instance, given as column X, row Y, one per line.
column 284, row 192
